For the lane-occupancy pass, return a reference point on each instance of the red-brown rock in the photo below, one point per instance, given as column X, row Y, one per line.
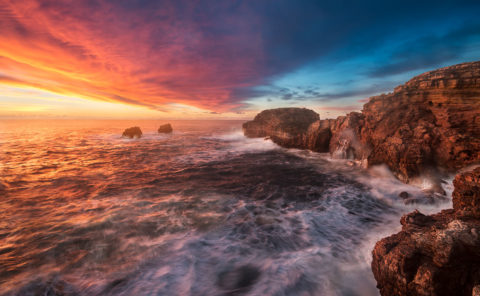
column 346, row 140
column 432, row 120
column 291, row 128
column 466, row 196
column 434, row 255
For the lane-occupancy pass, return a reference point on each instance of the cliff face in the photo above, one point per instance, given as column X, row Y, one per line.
column 438, row 254
column 431, row 121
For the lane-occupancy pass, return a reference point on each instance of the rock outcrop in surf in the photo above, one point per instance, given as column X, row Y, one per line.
column 291, row 128
column 434, row 255
column 132, row 132
column 165, row 129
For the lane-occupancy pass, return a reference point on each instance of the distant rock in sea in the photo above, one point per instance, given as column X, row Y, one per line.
column 165, row 128
column 132, row 132
column 431, row 121
column 437, row 254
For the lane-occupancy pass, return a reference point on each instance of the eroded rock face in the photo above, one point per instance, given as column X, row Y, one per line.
column 165, row 129
column 434, row 255
column 291, row 128
column 346, row 141
column 431, row 121
column 466, row 196
column 132, row 132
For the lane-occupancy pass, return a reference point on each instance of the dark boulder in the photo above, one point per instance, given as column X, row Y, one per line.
column 165, row 129
column 132, row 132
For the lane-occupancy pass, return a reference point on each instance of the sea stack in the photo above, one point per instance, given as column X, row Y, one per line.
column 291, row 128
column 438, row 254
column 132, row 132
column 165, row 129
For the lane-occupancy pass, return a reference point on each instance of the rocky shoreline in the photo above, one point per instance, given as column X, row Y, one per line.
column 425, row 128
column 437, row 254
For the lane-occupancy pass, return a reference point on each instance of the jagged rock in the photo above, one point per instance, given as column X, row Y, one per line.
column 291, row 128
column 346, row 142
column 165, row 128
column 431, row 121
column 318, row 136
column 434, row 255
column 132, row 132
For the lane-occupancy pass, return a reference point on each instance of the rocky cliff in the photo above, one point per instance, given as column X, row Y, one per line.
column 291, row 128
column 435, row 255
column 430, row 122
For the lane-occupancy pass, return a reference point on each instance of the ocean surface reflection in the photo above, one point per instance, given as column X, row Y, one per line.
column 203, row 211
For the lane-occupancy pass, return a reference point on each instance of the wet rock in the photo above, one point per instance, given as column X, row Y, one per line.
column 346, row 142
column 404, row 195
column 291, row 128
column 238, row 281
column 132, row 132
column 165, row 129
column 437, row 254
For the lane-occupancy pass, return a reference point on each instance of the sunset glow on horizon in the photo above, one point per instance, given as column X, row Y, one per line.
column 211, row 59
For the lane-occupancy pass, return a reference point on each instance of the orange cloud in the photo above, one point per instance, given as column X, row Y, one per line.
column 104, row 52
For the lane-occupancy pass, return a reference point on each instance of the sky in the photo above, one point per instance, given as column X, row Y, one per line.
column 225, row 59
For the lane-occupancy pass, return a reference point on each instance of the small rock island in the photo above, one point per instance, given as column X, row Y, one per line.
column 165, row 129
column 132, row 132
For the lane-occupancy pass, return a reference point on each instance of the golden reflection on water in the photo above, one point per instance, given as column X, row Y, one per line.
column 66, row 184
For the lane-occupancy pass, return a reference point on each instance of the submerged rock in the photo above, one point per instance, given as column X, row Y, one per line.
column 165, row 128
column 132, row 132
column 437, row 254
column 238, row 281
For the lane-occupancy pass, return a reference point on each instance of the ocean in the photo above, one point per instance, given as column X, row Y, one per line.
column 201, row 211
